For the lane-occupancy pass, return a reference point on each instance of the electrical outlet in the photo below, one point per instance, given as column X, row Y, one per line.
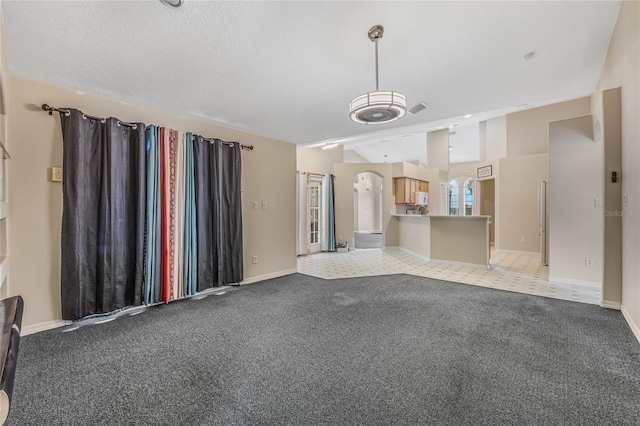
column 56, row 174
column 588, row 261
column 254, row 259
column 255, row 205
column 264, row 205
column 523, row 240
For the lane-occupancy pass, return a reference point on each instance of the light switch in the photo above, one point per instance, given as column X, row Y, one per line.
column 264, row 205
column 597, row 202
column 56, row 174
column 255, row 205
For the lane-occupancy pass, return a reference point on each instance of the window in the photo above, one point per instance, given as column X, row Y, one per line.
column 314, row 211
column 453, row 199
column 468, row 197
column 461, row 196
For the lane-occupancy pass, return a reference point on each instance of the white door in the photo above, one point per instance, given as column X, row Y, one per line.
column 314, row 217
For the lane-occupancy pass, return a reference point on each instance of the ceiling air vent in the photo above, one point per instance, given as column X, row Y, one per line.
column 416, row 109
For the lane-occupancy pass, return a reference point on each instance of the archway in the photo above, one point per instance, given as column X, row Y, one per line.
column 367, row 210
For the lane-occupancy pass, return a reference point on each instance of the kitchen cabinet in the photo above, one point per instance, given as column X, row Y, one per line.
column 406, row 189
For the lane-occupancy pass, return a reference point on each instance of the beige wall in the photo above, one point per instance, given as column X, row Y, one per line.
column 36, row 203
column 344, row 174
column 611, row 139
column 4, row 218
column 414, row 234
column 526, row 164
column 318, row 160
column 487, row 203
column 575, row 226
column 460, row 239
column 527, row 130
column 496, row 135
column 350, row 156
column 517, row 200
column 621, row 69
column 438, row 149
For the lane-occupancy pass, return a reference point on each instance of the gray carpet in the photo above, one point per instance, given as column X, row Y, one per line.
column 300, row 350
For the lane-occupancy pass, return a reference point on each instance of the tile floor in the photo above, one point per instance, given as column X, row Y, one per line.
column 520, row 273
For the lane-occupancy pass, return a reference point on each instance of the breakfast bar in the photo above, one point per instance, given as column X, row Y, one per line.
column 462, row 239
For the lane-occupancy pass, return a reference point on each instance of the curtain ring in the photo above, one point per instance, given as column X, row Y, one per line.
column 66, row 113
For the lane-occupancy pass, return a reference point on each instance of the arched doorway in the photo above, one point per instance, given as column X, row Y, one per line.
column 367, row 209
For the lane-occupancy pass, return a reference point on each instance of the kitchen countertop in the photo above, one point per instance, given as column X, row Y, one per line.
column 441, row 216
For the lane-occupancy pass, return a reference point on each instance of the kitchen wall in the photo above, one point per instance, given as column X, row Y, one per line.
column 36, row 203
column 621, row 69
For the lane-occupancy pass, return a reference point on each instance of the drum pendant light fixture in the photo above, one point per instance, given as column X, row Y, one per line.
column 381, row 106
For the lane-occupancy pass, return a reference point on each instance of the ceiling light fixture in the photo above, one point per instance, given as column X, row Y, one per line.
column 380, row 106
column 172, row 3
column 468, row 116
column 330, row 146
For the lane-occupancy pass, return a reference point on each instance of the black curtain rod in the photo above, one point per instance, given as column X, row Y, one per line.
column 247, row 147
column 66, row 112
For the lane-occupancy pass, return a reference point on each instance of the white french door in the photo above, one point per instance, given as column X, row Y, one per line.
column 314, row 216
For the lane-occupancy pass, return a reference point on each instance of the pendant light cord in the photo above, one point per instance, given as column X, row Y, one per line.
column 377, row 88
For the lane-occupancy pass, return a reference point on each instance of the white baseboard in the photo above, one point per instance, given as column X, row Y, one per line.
column 528, row 253
column 413, row 253
column 570, row 281
column 269, row 276
column 43, row 326
column 48, row 325
column 635, row 328
column 610, row 305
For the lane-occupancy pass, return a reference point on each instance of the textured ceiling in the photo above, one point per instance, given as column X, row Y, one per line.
column 288, row 70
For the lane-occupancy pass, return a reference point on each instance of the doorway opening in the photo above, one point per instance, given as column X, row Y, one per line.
column 488, row 205
column 367, row 209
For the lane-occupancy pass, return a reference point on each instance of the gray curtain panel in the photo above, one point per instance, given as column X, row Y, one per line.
column 206, row 184
column 331, row 213
column 217, row 171
column 103, row 219
column 230, row 248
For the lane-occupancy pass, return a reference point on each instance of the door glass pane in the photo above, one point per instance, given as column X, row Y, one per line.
column 314, row 210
